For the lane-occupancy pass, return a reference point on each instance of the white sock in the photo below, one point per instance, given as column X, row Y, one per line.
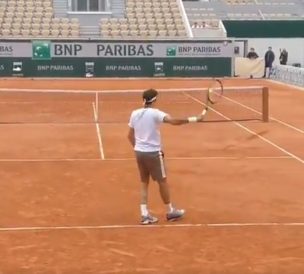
column 144, row 210
column 170, row 207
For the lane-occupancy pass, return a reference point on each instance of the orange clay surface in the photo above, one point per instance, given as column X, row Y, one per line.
column 70, row 205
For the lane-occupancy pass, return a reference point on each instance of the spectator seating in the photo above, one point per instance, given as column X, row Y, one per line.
column 146, row 19
column 34, row 18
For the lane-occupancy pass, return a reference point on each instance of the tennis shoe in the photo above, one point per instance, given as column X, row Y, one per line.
column 175, row 214
column 148, row 220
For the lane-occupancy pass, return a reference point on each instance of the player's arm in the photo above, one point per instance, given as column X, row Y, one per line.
column 131, row 136
column 181, row 121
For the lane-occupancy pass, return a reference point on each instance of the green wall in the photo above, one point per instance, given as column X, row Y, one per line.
column 264, row 28
column 118, row 67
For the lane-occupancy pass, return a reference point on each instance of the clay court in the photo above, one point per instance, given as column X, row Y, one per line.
column 69, row 186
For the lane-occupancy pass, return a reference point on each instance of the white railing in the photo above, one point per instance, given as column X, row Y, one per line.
column 185, row 18
column 288, row 74
column 223, row 29
column 108, row 5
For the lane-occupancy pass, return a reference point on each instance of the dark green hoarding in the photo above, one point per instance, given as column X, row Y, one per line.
column 116, row 67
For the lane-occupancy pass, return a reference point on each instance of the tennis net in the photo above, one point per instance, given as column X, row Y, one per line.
column 115, row 106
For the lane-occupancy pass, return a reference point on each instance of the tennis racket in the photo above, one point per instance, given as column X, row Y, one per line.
column 213, row 95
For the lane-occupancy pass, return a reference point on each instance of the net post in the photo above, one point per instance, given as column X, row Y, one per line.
column 96, row 107
column 265, row 104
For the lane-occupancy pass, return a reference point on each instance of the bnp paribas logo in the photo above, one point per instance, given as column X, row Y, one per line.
column 171, row 51
column 41, row 50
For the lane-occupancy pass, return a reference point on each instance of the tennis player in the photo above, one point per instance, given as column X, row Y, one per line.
column 144, row 136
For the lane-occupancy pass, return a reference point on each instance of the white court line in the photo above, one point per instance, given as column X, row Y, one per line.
column 251, row 131
column 272, row 118
column 98, row 131
column 110, row 227
column 208, row 158
column 132, row 159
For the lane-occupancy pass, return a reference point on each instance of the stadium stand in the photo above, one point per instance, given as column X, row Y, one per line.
column 245, row 10
column 146, row 19
column 240, row 2
column 140, row 19
column 29, row 18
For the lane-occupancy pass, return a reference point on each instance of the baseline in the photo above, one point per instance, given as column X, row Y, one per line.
column 132, row 159
column 189, row 225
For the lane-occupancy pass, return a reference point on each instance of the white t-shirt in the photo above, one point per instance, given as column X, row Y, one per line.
column 145, row 122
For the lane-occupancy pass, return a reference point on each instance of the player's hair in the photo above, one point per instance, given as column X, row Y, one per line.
column 149, row 96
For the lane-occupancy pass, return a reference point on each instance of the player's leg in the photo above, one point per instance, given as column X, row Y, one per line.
column 144, row 190
column 158, row 173
column 146, row 217
column 164, row 190
column 173, row 213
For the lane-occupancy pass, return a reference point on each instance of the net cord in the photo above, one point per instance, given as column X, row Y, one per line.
column 122, row 90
